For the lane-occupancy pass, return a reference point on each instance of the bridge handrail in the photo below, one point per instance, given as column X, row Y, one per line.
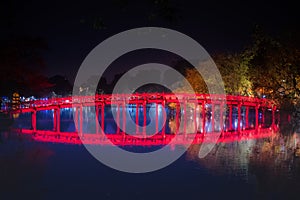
column 146, row 96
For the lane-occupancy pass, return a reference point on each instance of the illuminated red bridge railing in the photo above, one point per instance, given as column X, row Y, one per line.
column 220, row 111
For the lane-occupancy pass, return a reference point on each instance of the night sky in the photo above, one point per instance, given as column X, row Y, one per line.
column 72, row 29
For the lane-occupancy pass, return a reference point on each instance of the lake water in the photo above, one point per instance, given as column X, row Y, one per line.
column 265, row 168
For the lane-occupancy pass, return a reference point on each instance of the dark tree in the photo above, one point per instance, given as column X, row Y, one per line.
column 21, row 66
column 60, row 85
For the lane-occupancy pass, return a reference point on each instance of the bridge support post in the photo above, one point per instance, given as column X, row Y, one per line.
column 156, row 117
column 247, row 117
column 118, row 118
column 97, row 119
column 184, row 117
column 56, row 120
column 163, row 131
column 239, row 118
column 76, row 119
column 137, row 118
column 195, row 118
column 256, row 116
column 145, row 118
column 221, row 117
column 230, row 117
column 263, row 116
column 124, row 118
column 33, row 120
column 177, row 117
column 102, row 118
column 81, row 121
column 203, row 117
column 212, row 117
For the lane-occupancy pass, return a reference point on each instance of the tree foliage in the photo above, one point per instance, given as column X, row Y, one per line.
column 235, row 74
column 267, row 68
column 274, row 67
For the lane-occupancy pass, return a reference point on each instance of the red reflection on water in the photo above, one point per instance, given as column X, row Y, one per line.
column 158, row 139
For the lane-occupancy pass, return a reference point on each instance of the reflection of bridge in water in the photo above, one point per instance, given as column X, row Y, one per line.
column 197, row 116
column 122, row 140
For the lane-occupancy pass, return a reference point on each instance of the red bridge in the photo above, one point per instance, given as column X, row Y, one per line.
column 220, row 111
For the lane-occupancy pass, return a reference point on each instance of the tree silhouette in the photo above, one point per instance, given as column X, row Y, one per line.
column 21, row 64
